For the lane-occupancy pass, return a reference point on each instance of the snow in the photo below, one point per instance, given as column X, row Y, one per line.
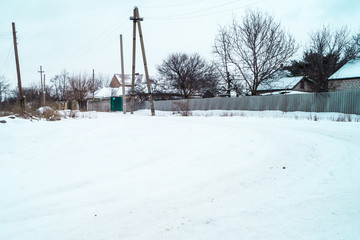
column 255, row 175
column 287, row 92
column 139, row 78
column 350, row 70
column 282, row 83
column 108, row 92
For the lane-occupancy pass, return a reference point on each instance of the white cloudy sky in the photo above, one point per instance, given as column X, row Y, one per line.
column 81, row 35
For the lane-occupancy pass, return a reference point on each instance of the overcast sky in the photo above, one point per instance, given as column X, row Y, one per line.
column 81, row 35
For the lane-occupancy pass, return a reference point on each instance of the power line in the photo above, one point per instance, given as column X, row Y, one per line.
column 89, row 48
column 174, row 5
column 95, row 50
column 188, row 15
column 7, row 61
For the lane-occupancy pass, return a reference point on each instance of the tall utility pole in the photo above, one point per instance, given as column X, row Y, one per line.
column 137, row 19
column 122, row 74
column 21, row 96
column 41, row 83
column 41, row 74
column 44, row 91
column 145, row 63
column 133, row 63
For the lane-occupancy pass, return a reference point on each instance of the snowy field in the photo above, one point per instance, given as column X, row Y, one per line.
column 251, row 175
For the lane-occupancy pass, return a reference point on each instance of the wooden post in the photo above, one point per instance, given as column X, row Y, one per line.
column 122, row 74
column 133, row 63
column 42, row 102
column 145, row 62
column 21, row 96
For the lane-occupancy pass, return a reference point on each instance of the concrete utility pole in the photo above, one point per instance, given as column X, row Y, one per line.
column 145, row 63
column 122, row 74
column 133, row 63
column 137, row 19
column 21, row 96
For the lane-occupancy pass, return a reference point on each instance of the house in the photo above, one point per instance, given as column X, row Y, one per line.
column 106, row 99
column 287, row 84
column 107, row 92
column 346, row 78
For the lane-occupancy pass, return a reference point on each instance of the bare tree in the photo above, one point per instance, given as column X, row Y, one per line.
column 79, row 89
column 102, row 80
column 188, row 75
column 328, row 50
column 255, row 48
column 159, row 89
column 60, row 85
column 4, row 94
column 4, row 88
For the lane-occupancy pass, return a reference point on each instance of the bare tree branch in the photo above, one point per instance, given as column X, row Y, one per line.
column 256, row 48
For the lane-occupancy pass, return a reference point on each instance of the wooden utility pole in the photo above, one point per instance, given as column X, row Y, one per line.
column 122, row 74
column 44, row 91
column 41, row 85
column 41, row 74
column 137, row 19
column 21, row 96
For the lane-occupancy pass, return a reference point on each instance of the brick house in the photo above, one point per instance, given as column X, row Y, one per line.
column 346, row 78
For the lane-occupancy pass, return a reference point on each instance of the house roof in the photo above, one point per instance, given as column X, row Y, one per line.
column 140, row 78
column 350, row 70
column 288, row 92
column 281, row 83
column 108, row 92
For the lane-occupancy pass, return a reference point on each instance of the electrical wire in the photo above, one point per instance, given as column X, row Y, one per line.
column 100, row 46
column 7, row 61
column 188, row 15
column 90, row 48
column 173, row 5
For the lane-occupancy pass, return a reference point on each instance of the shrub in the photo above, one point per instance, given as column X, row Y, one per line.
column 182, row 107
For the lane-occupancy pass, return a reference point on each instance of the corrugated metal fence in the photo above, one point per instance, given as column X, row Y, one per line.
column 343, row 102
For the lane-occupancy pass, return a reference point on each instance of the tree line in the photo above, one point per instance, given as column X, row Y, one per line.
column 256, row 50
column 247, row 53
column 63, row 87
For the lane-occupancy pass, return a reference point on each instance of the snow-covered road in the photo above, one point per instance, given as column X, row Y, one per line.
column 170, row 177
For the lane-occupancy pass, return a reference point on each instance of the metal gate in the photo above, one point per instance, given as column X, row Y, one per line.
column 116, row 104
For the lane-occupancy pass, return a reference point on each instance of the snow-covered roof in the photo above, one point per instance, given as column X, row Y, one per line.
column 281, row 83
column 350, row 70
column 140, row 78
column 108, row 92
column 284, row 92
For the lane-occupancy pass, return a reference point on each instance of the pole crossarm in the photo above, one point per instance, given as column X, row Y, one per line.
column 136, row 19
